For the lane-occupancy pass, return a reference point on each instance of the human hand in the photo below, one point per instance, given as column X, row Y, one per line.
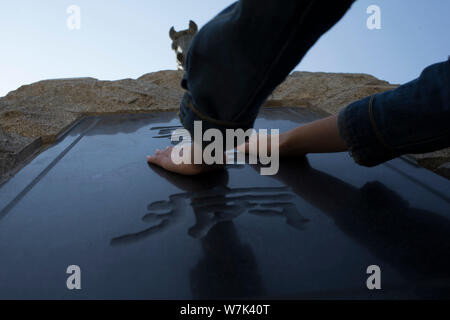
column 163, row 159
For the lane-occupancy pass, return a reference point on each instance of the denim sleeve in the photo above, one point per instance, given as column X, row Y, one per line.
column 413, row 118
column 239, row 57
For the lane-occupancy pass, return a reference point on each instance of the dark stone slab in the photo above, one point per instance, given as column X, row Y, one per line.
column 139, row 232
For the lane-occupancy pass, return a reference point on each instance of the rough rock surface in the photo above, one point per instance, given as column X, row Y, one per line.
column 326, row 91
column 35, row 114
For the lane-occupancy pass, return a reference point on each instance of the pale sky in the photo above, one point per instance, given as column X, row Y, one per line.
column 128, row 38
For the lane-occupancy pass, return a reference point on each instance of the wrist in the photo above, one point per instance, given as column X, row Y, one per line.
column 283, row 143
column 292, row 143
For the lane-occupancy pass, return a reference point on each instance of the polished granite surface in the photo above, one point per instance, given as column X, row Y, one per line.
column 136, row 231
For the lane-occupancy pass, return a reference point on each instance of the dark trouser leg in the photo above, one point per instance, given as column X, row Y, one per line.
column 238, row 58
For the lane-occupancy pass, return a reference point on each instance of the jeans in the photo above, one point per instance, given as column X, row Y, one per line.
column 239, row 57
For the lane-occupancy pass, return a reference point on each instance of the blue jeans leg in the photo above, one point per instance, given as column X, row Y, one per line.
column 239, row 57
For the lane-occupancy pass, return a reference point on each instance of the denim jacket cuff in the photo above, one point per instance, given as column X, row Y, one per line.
column 357, row 127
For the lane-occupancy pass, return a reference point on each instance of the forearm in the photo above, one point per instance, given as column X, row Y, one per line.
column 320, row 136
column 413, row 118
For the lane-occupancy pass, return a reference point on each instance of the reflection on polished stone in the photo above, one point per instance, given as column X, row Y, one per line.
column 137, row 231
column 214, row 205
